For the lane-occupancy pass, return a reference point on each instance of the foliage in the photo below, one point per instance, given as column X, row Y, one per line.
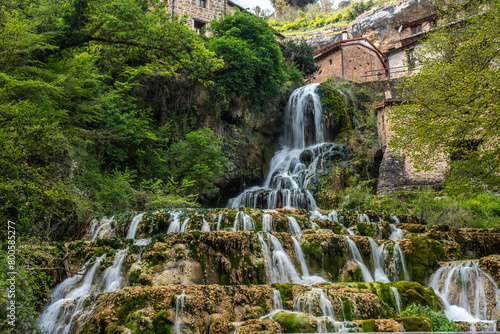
column 453, row 101
column 440, row 322
column 301, row 54
column 253, row 57
column 199, row 159
column 300, row 3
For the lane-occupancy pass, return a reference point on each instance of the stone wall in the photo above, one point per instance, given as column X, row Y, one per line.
column 349, row 61
column 212, row 10
column 396, row 170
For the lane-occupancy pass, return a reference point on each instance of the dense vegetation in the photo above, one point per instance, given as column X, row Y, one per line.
column 92, row 122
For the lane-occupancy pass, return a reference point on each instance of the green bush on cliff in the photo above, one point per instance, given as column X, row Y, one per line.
column 440, row 323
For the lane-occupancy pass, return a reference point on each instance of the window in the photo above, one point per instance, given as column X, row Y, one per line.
column 416, row 30
column 410, row 58
column 330, row 61
column 202, row 3
column 198, row 25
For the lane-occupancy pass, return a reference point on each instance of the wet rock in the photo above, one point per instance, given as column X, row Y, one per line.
column 351, row 272
column 416, row 324
column 219, row 324
column 261, row 326
column 491, row 265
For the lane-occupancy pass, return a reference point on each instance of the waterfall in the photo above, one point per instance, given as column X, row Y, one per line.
column 184, row 225
column 396, row 233
column 97, row 226
column 277, row 301
column 303, row 152
column 398, row 255
column 111, row 280
column 243, row 222
column 179, row 312
column 294, row 226
column 68, row 297
column 175, row 225
column 395, row 218
column 314, row 298
column 300, row 256
column 378, row 268
column 356, row 256
column 464, row 289
column 333, row 216
column 219, row 220
column 279, row 267
column 397, row 299
column 267, row 222
column 363, row 218
column 133, row 226
column 206, row 226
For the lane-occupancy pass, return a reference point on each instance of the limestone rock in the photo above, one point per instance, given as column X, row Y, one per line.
column 351, row 272
column 261, row 326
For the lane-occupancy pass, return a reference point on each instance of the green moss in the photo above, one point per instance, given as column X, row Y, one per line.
column 294, row 322
column 416, row 324
column 368, row 325
column 232, row 215
column 423, row 257
column 285, row 291
column 365, row 229
column 126, row 308
column 161, row 323
column 348, row 310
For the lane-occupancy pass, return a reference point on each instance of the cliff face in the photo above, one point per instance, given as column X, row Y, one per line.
column 380, row 25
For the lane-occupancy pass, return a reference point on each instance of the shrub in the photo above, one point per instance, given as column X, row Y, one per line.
column 440, row 323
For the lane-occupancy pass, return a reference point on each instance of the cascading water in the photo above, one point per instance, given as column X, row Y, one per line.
column 111, row 280
column 396, row 233
column 399, row 262
column 179, row 312
column 243, row 222
column 322, row 310
column 277, row 301
column 267, row 222
column 175, row 223
column 133, row 226
column 467, row 292
column 97, row 226
column 397, row 298
column 378, row 267
column 304, row 152
column 67, row 299
column 356, row 256
column 184, row 225
column 219, row 221
column 205, row 227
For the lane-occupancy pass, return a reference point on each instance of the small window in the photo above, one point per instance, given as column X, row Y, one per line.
column 198, row 25
column 410, row 58
column 416, row 30
column 331, row 62
column 202, row 3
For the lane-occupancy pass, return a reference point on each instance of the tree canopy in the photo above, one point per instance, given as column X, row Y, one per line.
column 452, row 106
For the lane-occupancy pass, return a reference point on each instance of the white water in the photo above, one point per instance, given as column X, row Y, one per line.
column 399, row 261
column 219, row 220
column 300, row 256
column 111, row 280
column 185, row 225
column 378, row 267
column 67, row 297
column 463, row 287
column 179, row 312
column 397, row 299
column 175, row 223
column 306, row 303
column 363, row 218
column 133, row 226
column 243, row 222
column 356, row 256
column 206, row 226
column 294, row 226
column 286, row 182
column 267, row 222
column 396, row 233
column 277, row 301
column 97, row 226
column 333, row 216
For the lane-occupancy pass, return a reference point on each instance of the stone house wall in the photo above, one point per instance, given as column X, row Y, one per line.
column 349, row 60
column 396, row 170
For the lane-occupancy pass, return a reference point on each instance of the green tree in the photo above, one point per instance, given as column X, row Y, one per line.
column 299, row 3
column 453, row 102
column 199, row 159
column 251, row 54
column 302, row 55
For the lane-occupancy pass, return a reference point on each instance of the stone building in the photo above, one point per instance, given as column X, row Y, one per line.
column 349, row 59
column 401, row 59
column 396, row 171
column 200, row 12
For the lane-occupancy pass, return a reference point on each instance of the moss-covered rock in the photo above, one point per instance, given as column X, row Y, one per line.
column 295, row 322
column 422, row 256
column 416, row 324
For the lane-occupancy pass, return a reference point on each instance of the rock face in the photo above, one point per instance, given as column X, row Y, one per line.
column 254, row 281
column 381, row 25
